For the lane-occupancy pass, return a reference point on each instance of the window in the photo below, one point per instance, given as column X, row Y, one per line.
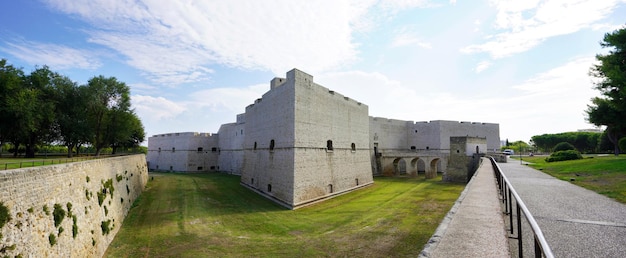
column 251, row 181
column 427, row 147
column 171, row 168
column 214, row 149
column 329, row 145
column 353, row 146
column 199, row 168
column 330, row 188
column 357, row 181
column 173, row 149
column 272, row 145
column 199, row 149
column 212, row 167
column 269, row 188
column 412, row 147
column 159, row 149
column 254, row 145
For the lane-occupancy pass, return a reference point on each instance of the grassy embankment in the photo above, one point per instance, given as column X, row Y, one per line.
column 603, row 174
column 211, row 215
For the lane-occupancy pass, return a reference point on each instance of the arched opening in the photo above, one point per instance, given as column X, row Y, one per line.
column 414, row 168
column 353, row 147
column 420, row 165
column 329, row 145
column 254, row 145
column 330, row 188
column 357, row 181
column 399, row 166
column 434, row 164
column 272, row 145
column 269, row 188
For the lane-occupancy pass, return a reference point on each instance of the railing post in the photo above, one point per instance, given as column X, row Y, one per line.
column 519, row 230
column 537, row 248
column 511, row 211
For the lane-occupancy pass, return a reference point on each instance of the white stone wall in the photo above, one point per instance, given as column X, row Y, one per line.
column 183, row 152
column 271, row 118
column 472, row 129
column 323, row 115
column 26, row 191
column 231, row 149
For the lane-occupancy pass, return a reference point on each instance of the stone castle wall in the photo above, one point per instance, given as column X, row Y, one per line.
column 188, row 152
column 231, row 137
column 88, row 227
column 268, row 143
column 324, row 117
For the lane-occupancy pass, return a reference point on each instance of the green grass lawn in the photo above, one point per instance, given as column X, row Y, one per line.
column 603, row 174
column 211, row 215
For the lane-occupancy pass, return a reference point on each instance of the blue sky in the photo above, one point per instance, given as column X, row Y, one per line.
column 194, row 65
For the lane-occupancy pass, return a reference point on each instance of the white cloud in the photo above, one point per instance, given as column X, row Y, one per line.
column 230, row 99
column 406, row 39
column 55, row 56
column 156, row 108
column 528, row 23
column 482, row 66
column 177, row 42
column 570, row 79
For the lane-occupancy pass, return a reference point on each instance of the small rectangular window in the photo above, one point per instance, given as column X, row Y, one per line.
column 213, row 149
column 212, row 167
column 199, row 149
column 199, row 168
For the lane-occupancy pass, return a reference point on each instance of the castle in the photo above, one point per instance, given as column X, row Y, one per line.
column 301, row 143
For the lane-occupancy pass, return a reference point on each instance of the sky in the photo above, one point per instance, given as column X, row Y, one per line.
column 193, row 65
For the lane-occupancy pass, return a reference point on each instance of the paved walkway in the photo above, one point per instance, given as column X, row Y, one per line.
column 575, row 221
column 474, row 226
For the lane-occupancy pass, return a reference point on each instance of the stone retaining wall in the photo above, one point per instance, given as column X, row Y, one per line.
column 87, row 201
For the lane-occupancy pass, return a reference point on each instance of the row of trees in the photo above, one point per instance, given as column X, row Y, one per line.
column 45, row 107
column 585, row 142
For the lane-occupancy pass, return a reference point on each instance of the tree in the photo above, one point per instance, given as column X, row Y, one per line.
column 32, row 108
column 610, row 109
column 11, row 80
column 108, row 108
column 70, row 113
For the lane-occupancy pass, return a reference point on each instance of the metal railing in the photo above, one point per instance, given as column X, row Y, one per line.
column 510, row 198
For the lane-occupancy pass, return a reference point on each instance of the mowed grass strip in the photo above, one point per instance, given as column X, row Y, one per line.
column 603, row 174
column 211, row 215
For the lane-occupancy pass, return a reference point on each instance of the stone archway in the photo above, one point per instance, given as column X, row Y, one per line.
column 418, row 166
column 431, row 172
column 399, row 165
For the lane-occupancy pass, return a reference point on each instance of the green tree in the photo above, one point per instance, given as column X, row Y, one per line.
column 610, row 109
column 70, row 113
column 32, row 106
column 11, row 81
column 109, row 112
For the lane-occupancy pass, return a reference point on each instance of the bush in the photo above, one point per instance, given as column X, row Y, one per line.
column 564, row 155
column 622, row 144
column 563, row 146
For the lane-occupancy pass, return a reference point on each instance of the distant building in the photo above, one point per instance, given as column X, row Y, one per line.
column 301, row 143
